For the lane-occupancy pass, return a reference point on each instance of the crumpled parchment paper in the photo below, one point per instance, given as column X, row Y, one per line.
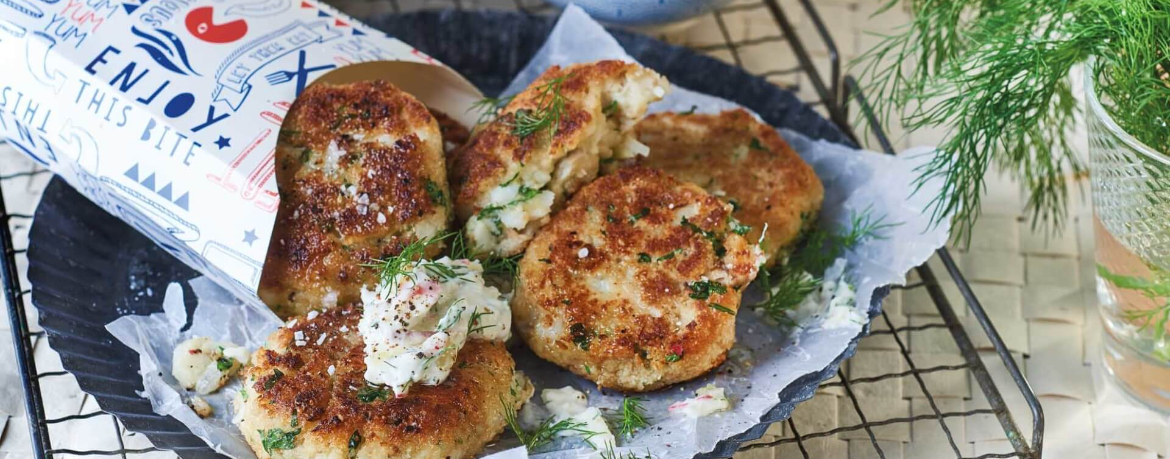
column 855, row 182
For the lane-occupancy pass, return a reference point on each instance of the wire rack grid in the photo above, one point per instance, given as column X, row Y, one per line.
column 833, row 97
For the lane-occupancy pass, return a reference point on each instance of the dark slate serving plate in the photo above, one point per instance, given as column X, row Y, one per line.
column 88, row 268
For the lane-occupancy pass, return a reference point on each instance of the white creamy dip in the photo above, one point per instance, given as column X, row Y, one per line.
column 708, row 399
column 569, row 403
column 414, row 332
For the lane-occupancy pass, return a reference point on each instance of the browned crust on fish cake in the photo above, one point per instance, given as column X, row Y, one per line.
column 324, row 229
column 628, row 346
column 454, row 132
column 455, row 419
column 770, row 184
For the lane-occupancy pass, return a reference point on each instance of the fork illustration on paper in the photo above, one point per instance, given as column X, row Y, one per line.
column 301, row 73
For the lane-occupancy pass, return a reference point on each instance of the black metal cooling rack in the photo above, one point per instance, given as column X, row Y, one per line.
column 834, row 97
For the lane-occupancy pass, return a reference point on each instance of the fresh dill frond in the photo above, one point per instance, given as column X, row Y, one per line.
column 630, row 417
column 546, row 431
column 786, row 286
column 550, row 107
column 402, row 265
column 473, row 325
column 489, row 108
column 996, row 75
column 506, row 267
column 610, row 453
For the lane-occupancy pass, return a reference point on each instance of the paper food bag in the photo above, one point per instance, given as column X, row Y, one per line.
column 166, row 112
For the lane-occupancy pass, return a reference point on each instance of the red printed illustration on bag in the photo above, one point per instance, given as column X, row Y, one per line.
column 201, row 24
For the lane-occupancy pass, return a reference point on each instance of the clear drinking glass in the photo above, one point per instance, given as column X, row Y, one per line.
column 1131, row 223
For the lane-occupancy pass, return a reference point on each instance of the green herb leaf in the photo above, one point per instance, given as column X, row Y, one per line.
column 721, row 308
column 610, row 108
column 737, row 227
column 547, row 431
column 224, row 364
column 701, row 290
column 640, row 215
column 277, row 439
column 668, row 255
column 550, row 107
column 371, row 394
column 355, row 440
column 690, row 111
column 644, row 257
column 489, row 107
column 631, row 417
column 435, row 192
column 580, row 336
column 271, row 381
column 671, row 358
column 756, row 145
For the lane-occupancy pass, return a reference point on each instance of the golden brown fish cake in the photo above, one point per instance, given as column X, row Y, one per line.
column 635, row 283
column 506, row 182
column 741, row 161
column 361, row 173
column 322, row 407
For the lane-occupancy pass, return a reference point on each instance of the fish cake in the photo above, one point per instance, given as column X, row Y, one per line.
column 361, row 173
column 544, row 145
column 635, row 283
column 743, row 162
column 319, row 405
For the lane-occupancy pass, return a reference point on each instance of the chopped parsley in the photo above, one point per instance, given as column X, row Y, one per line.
column 435, row 192
column 224, row 363
column 720, row 308
column 581, row 337
column 737, row 227
column 702, row 290
column 271, row 381
column 523, row 194
column 640, row 215
column 756, row 145
column 691, row 111
column 355, row 440
column 306, row 155
column 668, row 255
column 716, row 241
column 671, row 358
column 371, row 394
column 276, row 439
column 610, row 108
column 644, row 257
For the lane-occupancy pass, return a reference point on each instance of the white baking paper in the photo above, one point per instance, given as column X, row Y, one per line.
column 855, row 182
column 218, row 315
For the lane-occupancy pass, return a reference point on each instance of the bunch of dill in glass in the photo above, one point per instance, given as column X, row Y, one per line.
column 996, row 75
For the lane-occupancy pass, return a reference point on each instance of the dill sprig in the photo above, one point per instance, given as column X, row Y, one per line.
column 402, row 265
column 610, row 453
column 506, row 267
column 630, row 417
column 996, row 74
column 546, row 431
column 489, row 108
column 550, row 107
column 787, row 285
